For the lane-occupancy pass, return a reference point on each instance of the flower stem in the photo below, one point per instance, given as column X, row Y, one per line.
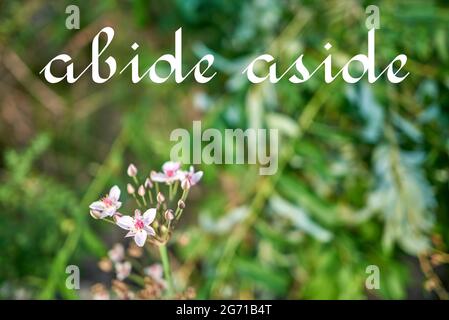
column 170, row 192
column 137, row 200
column 150, row 196
column 175, row 188
column 166, row 266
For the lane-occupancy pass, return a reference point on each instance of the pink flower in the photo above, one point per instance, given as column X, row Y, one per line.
column 155, row 271
column 139, row 226
column 190, row 178
column 170, row 173
column 117, row 253
column 122, row 270
column 107, row 206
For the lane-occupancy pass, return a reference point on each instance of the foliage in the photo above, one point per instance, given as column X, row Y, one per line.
column 363, row 169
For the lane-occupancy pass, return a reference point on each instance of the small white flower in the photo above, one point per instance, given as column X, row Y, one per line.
column 107, row 206
column 139, row 226
column 122, row 270
column 170, row 173
column 155, row 271
column 190, row 178
column 117, row 253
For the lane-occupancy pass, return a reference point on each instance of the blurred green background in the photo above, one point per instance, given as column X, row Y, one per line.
column 363, row 173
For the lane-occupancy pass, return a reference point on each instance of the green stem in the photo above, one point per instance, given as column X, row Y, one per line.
column 144, row 201
column 175, row 188
column 150, row 196
column 137, row 200
column 170, row 192
column 166, row 266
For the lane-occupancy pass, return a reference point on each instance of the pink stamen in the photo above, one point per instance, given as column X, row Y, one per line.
column 138, row 224
column 107, row 201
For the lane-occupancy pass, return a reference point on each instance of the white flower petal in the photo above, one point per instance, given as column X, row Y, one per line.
column 140, row 237
column 137, row 215
column 131, row 233
column 108, row 212
column 114, row 193
column 148, row 216
column 171, row 166
column 197, row 177
column 158, row 177
column 105, row 213
column 118, row 204
column 150, row 230
column 97, row 206
column 125, row 222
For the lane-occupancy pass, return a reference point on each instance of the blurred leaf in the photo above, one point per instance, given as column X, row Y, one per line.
column 299, row 219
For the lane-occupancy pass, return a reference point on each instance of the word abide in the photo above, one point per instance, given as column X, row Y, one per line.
column 299, row 73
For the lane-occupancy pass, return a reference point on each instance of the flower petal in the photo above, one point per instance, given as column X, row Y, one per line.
column 158, row 177
column 114, row 193
column 197, row 177
column 148, row 216
column 131, row 233
column 97, row 206
column 125, row 222
column 171, row 166
column 140, row 237
column 108, row 212
column 150, row 230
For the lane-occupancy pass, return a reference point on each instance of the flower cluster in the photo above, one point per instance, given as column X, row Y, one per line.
column 146, row 282
column 160, row 199
column 153, row 219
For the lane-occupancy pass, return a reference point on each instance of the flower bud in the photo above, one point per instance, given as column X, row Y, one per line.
column 185, row 184
column 132, row 170
column 169, row 215
column 130, row 188
column 164, row 230
column 148, row 184
column 105, row 265
column 160, row 198
column 95, row 214
column 181, row 204
column 141, row 191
